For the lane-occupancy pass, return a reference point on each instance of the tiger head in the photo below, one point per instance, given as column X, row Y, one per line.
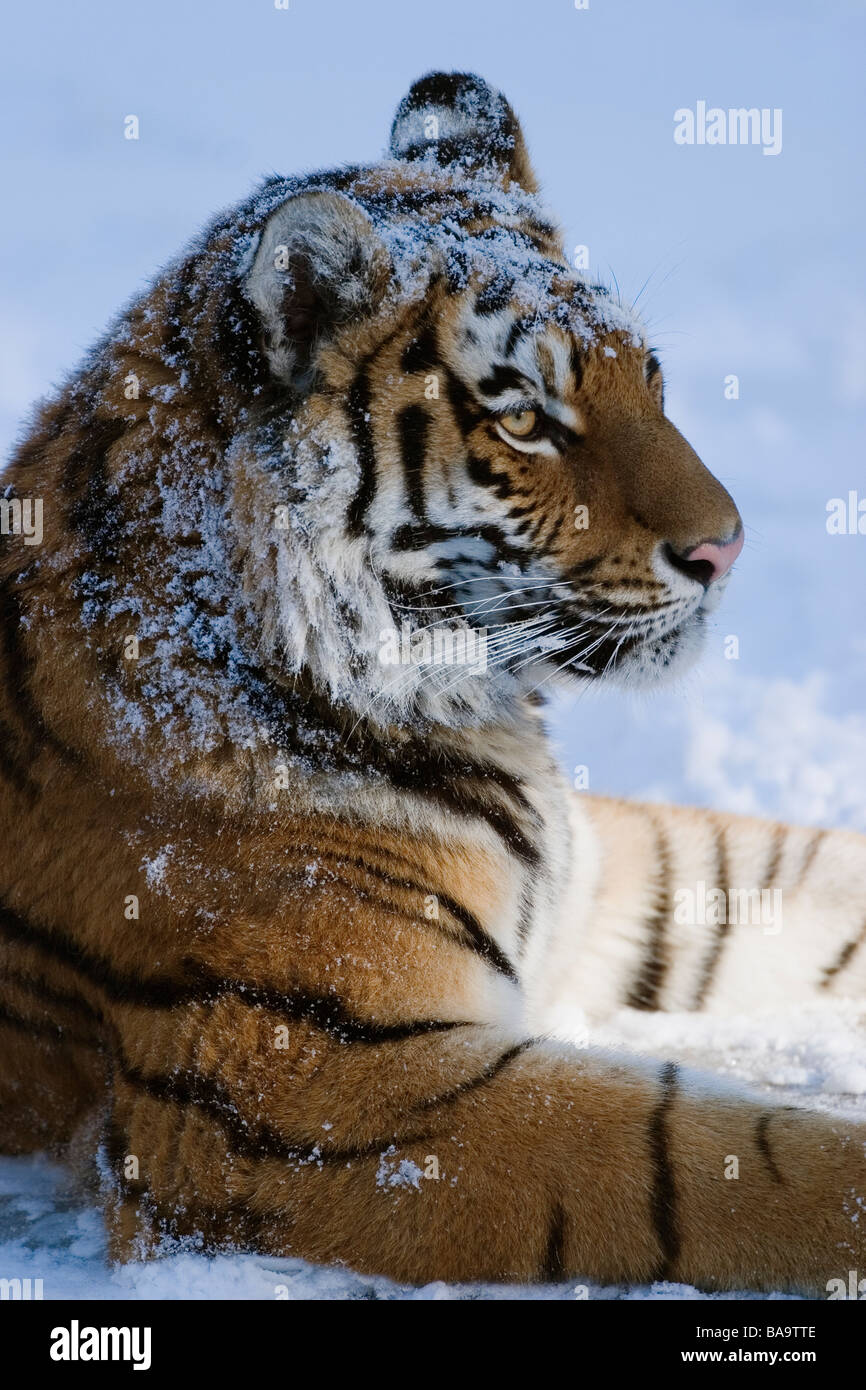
column 371, row 449
column 464, row 439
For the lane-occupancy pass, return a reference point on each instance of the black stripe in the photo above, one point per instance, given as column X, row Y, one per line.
column 646, row 990
column 518, row 330
column 95, row 509
column 503, row 379
column 545, row 230
column 235, row 335
column 466, row 412
column 479, row 938
column 17, row 659
column 496, row 295
column 777, row 848
column 763, row 1145
column 199, row 987
column 482, row 1078
column 553, row 1268
column 45, row 1028
column 664, row 1195
column 412, row 764
column 714, row 956
column 413, row 424
column 260, row 1140
column 531, row 526
column 421, row 353
column 499, row 820
column 479, row 941
column 14, row 765
column 583, row 567
column 54, row 998
column 545, row 543
column 153, row 993
column 95, row 436
column 19, row 667
column 483, row 474
column 432, row 771
column 115, row 1148
column 844, row 957
column 561, row 436
column 809, row 857
column 422, row 534
column 359, row 410
column 189, row 1088
column 653, row 365
column 527, row 905
column 358, row 402
column 403, row 592
column 576, row 363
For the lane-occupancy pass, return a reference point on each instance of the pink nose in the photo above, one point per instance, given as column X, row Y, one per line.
column 716, row 558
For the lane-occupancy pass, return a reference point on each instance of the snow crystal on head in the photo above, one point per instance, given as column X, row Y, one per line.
column 455, row 118
column 155, row 866
column 440, row 236
column 444, row 242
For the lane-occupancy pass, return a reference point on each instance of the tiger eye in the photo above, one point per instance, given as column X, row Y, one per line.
column 520, row 424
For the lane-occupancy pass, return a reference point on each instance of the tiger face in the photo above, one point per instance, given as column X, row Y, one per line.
column 472, row 434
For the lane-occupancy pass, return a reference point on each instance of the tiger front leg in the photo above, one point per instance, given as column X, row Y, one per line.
column 469, row 1155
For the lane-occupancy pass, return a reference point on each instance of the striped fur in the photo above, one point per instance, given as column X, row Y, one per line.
column 284, row 927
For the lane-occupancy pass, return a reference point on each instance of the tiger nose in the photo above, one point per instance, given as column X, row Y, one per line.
column 708, row 561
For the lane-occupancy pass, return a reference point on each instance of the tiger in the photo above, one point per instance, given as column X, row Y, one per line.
column 292, row 897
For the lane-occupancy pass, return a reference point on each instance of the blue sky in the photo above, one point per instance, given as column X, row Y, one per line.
column 755, row 267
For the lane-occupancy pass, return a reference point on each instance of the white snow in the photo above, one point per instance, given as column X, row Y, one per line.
column 397, row 1172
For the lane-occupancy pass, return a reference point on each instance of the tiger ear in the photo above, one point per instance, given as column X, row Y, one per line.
column 450, row 118
column 319, row 264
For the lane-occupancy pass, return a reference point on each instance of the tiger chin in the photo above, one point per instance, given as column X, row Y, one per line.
column 292, row 897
